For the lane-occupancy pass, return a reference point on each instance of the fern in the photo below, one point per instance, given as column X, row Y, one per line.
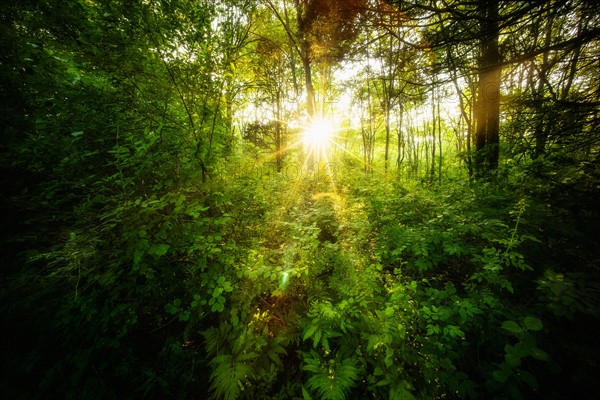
column 331, row 379
column 400, row 392
column 275, row 348
column 330, row 322
column 242, row 359
column 229, row 376
column 217, row 339
column 232, row 365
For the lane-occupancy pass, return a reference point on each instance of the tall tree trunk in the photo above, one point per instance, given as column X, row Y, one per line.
column 401, row 140
column 466, row 108
column 433, row 134
column 387, row 138
column 292, row 52
column 310, row 90
column 278, row 133
column 487, row 112
column 542, row 128
column 441, row 159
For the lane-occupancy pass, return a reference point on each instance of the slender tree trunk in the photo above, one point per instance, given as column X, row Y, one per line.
column 364, row 140
column 292, row 53
column 426, row 148
column 387, row 105
column 387, row 138
column 465, row 112
column 401, row 140
column 278, row 135
column 487, row 112
column 310, row 89
column 573, row 70
column 470, row 128
column 433, row 135
column 439, row 142
column 541, row 126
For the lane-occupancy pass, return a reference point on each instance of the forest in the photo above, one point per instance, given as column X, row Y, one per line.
column 300, row 199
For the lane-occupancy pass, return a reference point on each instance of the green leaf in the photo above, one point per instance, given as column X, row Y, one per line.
column 384, row 382
column 185, row 316
column 310, row 331
column 529, row 379
column 335, row 381
column 512, row 360
column 235, row 319
column 512, row 327
column 467, row 389
column 399, row 392
column 501, row 375
column 453, row 331
column 77, row 134
column 539, row 354
column 520, row 349
column 312, row 368
column 159, row 249
column 228, row 376
column 533, row 323
column 423, row 265
column 305, row 394
column 450, row 289
column 317, row 339
column 170, row 309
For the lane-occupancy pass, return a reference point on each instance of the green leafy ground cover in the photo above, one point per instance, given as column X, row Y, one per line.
column 380, row 289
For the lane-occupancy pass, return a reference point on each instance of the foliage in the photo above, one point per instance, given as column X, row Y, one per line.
column 164, row 235
column 331, row 378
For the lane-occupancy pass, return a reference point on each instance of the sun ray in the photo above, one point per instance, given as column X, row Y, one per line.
column 317, row 137
column 318, row 133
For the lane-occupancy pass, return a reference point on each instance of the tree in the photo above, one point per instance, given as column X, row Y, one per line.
column 119, row 117
column 546, row 105
column 489, row 29
column 272, row 86
column 487, row 103
column 321, row 35
column 398, row 63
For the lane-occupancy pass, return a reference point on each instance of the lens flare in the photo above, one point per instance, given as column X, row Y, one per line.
column 284, row 280
column 318, row 134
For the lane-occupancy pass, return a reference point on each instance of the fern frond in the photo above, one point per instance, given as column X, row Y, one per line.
column 216, row 338
column 332, row 380
column 400, row 392
column 229, row 377
column 275, row 347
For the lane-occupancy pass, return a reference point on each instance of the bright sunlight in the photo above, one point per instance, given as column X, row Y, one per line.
column 317, row 138
column 318, row 135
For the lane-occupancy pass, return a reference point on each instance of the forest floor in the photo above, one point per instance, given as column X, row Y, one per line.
column 266, row 287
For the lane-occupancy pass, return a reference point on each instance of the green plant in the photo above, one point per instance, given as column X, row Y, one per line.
column 510, row 373
column 332, row 377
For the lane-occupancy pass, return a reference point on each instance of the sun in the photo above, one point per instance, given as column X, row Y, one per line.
column 318, row 135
